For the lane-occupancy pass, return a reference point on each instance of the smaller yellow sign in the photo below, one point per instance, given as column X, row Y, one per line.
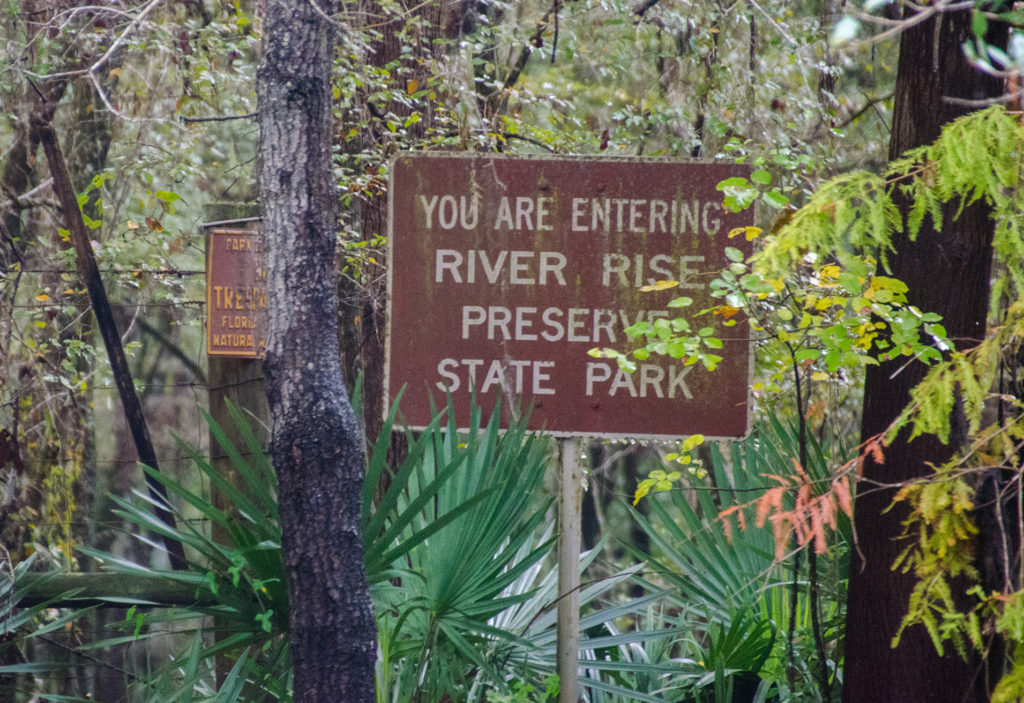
column 236, row 294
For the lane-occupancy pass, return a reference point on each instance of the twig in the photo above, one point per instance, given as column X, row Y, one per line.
column 867, row 106
column 320, row 11
column 176, row 351
column 778, row 28
column 15, row 200
column 985, row 102
column 93, row 71
column 102, row 60
column 530, row 140
column 220, row 118
column 923, row 13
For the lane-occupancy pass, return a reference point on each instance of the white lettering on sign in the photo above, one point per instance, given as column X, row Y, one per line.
column 591, row 325
column 639, row 216
column 520, row 267
column 524, row 214
column 651, row 381
column 450, row 212
column 516, row 376
column 659, row 267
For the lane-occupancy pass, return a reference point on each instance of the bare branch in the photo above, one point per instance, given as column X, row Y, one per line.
column 775, row 25
column 219, row 118
column 986, row 102
column 867, row 106
column 530, row 140
column 922, row 14
column 319, row 10
column 16, row 201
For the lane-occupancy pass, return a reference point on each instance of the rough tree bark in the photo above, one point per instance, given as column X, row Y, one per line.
column 316, row 442
column 947, row 272
column 434, row 22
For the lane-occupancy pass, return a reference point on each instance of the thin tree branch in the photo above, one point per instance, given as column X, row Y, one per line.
column 219, row 118
column 922, row 14
column 16, row 200
column 530, row 140
column 121, row 37
column 40, row 123
column 867, row 106
column 984, row 102
column 175, row 351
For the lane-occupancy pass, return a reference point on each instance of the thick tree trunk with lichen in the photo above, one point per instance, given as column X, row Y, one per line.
column 316, row 443
column 947, row 272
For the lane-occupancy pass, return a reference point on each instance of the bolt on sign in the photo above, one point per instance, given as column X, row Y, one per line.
column 504, row 272
column 236, row 294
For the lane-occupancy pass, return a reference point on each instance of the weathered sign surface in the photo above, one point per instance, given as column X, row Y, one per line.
column 505, row 272
column 236, row 294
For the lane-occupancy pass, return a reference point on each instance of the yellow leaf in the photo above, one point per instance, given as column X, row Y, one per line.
column 819, row 376
column 691, row 442
column 751, row 233
column 411, row 86
column 132, row 225
column 659, row 285
column 643, row 489
column 42, row 298
column 114, row 73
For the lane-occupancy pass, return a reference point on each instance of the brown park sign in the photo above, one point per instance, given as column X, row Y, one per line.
column 236, row 294
column 504, row 272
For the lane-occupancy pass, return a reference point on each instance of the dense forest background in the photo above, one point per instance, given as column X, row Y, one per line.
column 882, row 301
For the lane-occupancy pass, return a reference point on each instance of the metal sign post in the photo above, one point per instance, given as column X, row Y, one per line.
column 570, row 504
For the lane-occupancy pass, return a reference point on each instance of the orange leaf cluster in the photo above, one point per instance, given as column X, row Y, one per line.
column 809, row 516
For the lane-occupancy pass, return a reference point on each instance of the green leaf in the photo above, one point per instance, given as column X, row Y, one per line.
column 761, row 177
column 776, row 199
column 167, row 196
column 979, row 23
column 734, row 182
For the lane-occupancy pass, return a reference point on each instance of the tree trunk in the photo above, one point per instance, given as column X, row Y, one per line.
column 417, row 54
column 948, row 273
column 316, row 444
